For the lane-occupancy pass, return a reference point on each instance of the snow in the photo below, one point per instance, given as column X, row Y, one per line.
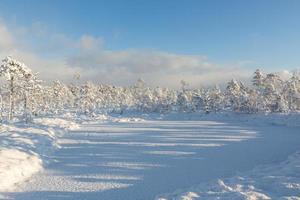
column 57, row 123
column 279, row 181
column 172, row 153
column 95, row 141
column 272, row 119
column 70, row 183
column 15, row 166
column 176, row 156
column 24, row 149
column 125, row 119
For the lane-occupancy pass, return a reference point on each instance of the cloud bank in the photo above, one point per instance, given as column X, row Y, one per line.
column 56, row 56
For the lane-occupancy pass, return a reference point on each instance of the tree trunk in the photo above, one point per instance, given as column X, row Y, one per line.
column 25, row 106
column 11, row 99
column 1, row 103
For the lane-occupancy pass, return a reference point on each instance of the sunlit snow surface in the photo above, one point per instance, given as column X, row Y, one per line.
column 132, row 159
column 280, row 181
column 24, row 147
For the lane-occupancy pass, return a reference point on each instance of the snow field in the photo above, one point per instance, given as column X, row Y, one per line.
column 128, row 157
column 280, row 181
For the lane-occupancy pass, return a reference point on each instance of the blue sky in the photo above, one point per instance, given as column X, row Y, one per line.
column 250, row 34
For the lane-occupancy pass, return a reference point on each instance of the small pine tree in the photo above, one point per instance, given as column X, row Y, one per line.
column 13, row 71
column 258, row 79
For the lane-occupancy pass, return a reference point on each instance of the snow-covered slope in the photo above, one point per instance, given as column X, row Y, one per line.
column 16, row 166
column 24, row 148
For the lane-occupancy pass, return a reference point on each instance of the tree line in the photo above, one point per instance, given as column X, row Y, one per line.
column 23, row 95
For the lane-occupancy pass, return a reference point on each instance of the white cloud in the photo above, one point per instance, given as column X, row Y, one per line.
column 89, row 43
column 57, row 56
column 156, row 68
column 6, row 39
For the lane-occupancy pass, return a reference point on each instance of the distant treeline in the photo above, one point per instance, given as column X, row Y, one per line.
column 24, row 96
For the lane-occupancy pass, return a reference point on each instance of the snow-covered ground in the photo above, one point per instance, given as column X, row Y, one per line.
column 274, row 181
column 24, row 149
column 187, row 156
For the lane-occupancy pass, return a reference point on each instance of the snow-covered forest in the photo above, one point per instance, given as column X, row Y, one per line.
column 24, row 95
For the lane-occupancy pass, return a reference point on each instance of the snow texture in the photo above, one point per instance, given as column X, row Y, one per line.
column 279, row 181
column 228, row 156
column 24, row 149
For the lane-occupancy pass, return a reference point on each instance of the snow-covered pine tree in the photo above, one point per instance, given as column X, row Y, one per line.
column 184, row 85
column 233, row 95
column 273, row 92
column 87, row 98
column 216, row 99
column 291, row 92
column 13, row 71
column 184, row 103
column 197, row 100
column 245, row 99
column 31, row 87
column 258, row 79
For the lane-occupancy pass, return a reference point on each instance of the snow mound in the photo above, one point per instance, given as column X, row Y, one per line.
column 24, row 149
column 280, row 181
column 57, row 123
column 126, row 120
column 17, row 166
column 101, row 117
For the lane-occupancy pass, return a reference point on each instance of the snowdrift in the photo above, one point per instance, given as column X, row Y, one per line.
column 24, row 149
